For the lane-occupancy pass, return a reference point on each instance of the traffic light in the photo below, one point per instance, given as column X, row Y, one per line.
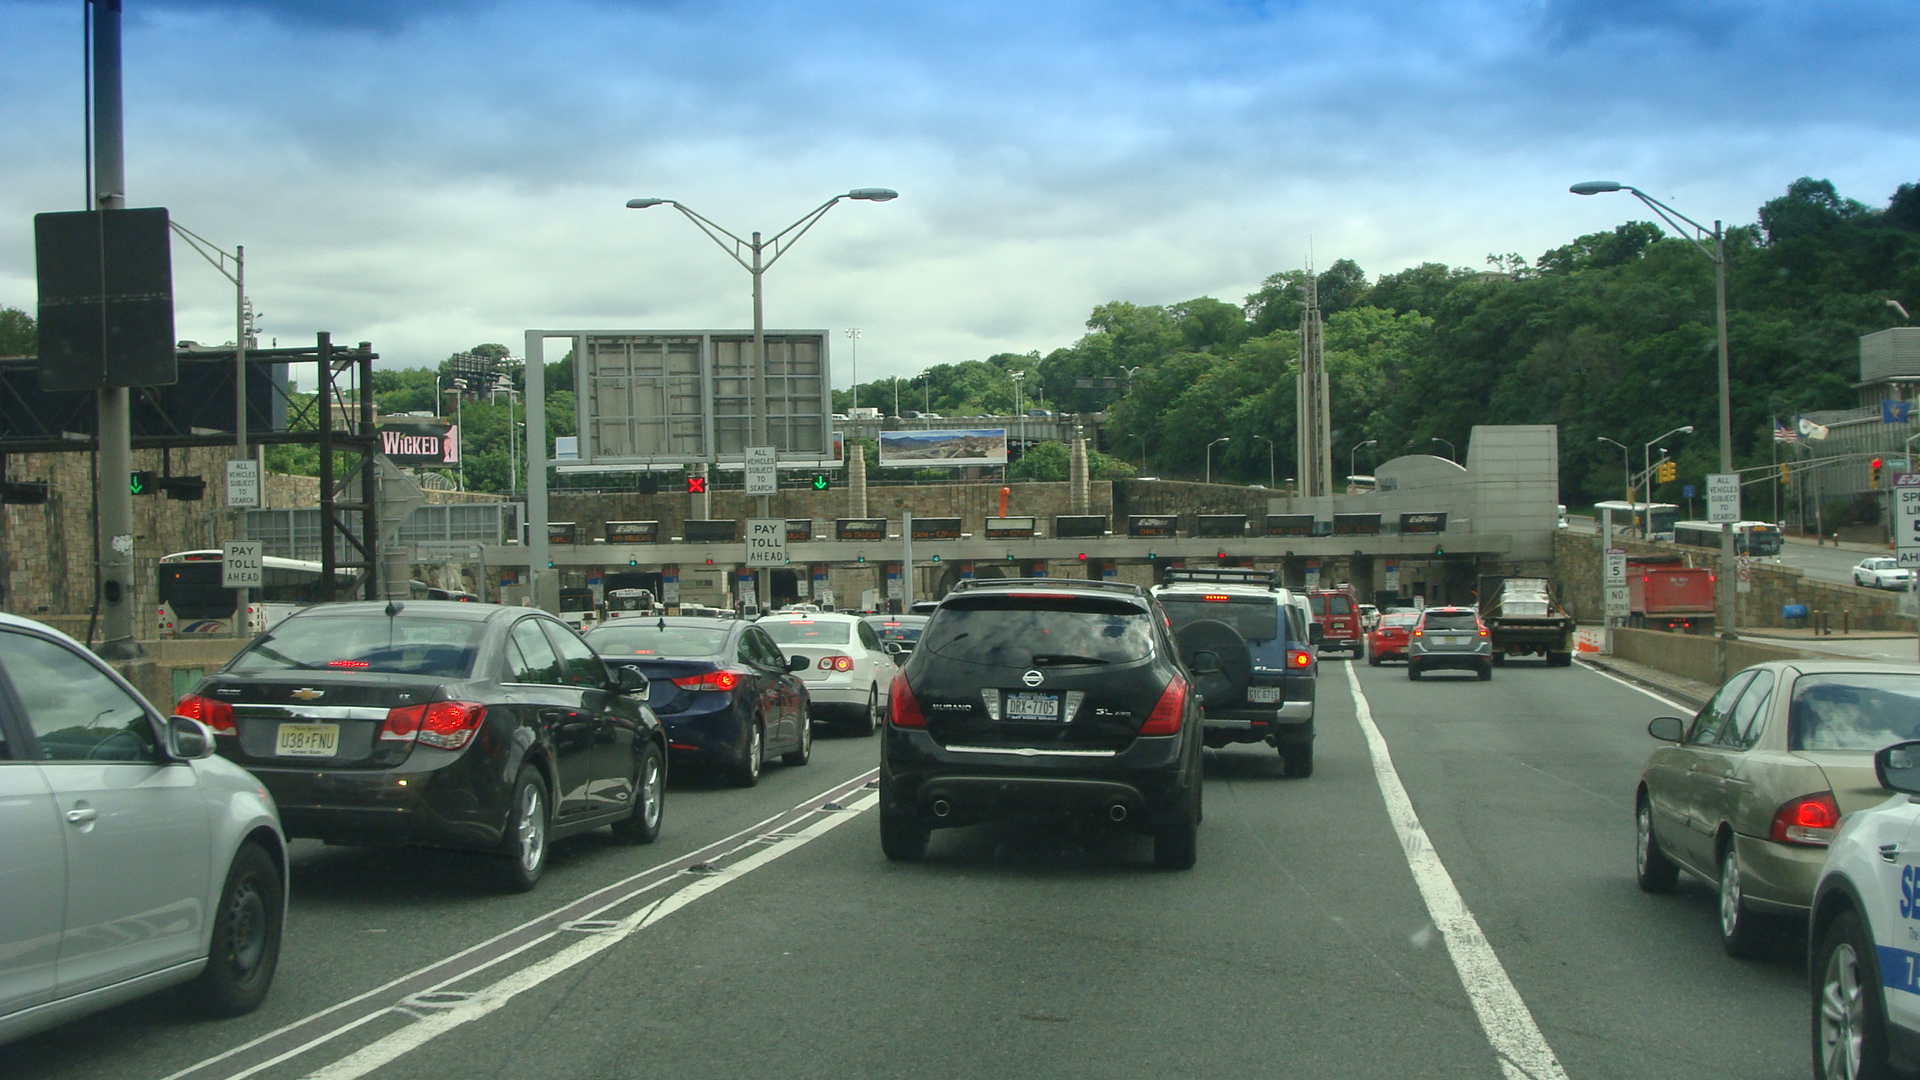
column 143, row 482
column 1669, row 471
column 649, row 484
column 822, row 481
column 696, row 485
column 862, row 557
column 185, row 488
column 936, row 558
column 1083, row 556
column 1873, row 474
column 1783, row 472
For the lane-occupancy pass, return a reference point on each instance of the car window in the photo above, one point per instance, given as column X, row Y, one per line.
column 1705, row 729
column 1255, row 619
column 807, row 631
column 768, row 653
column 75, row 710
column 653, row 638
column 402, row 645
column 1749, row 714
column 868, row 639
column 1340, row 605
column 1319, row 604
column 531, row 658
column 1853, row 711
column 1451, row 620
column 1006, row 631
column 578, row 664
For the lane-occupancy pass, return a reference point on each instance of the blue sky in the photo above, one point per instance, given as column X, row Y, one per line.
column 433, row 174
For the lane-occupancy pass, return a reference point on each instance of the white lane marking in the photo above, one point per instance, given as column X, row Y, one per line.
column 1516, row 1039
column 1685, row 710
column 389, row 1048
column 749, row 831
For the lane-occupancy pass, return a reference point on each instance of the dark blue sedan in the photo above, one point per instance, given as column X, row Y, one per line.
column 725, row 692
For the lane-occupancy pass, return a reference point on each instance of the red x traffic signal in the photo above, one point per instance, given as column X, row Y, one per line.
column 696, row 485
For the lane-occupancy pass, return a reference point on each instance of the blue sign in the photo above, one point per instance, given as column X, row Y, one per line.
column 1687, row 492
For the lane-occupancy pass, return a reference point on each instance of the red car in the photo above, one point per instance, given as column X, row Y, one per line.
column 1388, row 638
column 1338, row 614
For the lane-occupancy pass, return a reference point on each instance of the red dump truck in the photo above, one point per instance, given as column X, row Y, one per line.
column 1666, row 593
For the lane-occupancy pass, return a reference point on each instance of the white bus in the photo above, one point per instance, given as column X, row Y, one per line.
column 192, row 600
column 1749, row 537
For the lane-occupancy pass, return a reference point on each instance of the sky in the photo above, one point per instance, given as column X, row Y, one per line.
column 433, row 174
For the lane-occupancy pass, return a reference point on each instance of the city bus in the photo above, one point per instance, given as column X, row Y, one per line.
column 1652, row 521
column 1749, row 537
column 192, row 600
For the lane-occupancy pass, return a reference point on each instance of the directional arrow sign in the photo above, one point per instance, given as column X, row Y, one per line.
column 821, row 482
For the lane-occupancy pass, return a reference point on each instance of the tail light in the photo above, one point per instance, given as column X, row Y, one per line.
column 1419, row 633
column 1299, row 658
column 446, row 725
column 720, row 681
column 1809, row 819
column 1168, row 711
column 902, row 709
column 835, row 662
column 217, row 715
column 1483, row 631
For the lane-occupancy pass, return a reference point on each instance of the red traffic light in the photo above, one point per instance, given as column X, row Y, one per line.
column 1876, row 463
column 1083, row 556
column 696, row 485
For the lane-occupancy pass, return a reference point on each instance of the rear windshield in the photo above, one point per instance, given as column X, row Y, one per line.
column 1255, row 620
column 1331, row 605
column 900, row 631
column 807, row 631
column 1452, row 620
column 652, row 639
column 1023, row 632
column 1853, row 711
column 1397, row 619
column 404, row 645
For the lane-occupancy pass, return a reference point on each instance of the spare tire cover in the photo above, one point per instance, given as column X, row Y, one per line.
column 1228, row 686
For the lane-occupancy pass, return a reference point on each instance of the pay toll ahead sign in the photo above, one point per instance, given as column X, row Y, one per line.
column 1906, row 518
column 766, row 541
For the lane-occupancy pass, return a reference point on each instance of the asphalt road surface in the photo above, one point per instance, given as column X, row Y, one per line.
column 1450, row 894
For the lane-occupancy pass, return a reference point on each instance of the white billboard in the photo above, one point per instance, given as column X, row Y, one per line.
column 921, row 449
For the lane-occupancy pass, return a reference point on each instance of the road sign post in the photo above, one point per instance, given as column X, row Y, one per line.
column 1723, row 498
column 763, row 472
column 766, row 541
column 1906, row 524
column 243, row 484
column 1613, row 586
column 241, row 566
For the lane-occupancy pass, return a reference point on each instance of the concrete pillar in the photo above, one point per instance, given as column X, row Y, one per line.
column 856, row 481
column 1077, row 495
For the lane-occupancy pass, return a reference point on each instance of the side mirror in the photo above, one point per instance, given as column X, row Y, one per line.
column 1316, row 634
column 893, row 648
column 1667, row 728
column 188, row 739
column 1204, row 662
column 629, row 680
column 798, row 663
column 1897, row 767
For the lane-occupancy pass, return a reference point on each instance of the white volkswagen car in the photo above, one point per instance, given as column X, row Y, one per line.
column 850, row 678
column 1881, row 572
column 132, row 859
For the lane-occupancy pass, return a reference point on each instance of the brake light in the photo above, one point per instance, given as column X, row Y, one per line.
column 1809, row 819
column 347, row 663
column 902, row 709
column 1214, row 598
column 1483, row 631
column 720, row 681
column 1299, row 658
column 217, row 715
column 835, row 662
column 445, row 725
column 1419, row 633
column 1168, row 711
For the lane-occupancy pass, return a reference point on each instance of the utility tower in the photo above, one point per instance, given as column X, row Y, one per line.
column 1314, row 415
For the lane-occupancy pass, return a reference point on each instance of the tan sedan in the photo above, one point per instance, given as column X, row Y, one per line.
column 1752, row 789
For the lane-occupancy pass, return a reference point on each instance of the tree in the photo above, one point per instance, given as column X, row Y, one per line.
column 1053, row 461
column 18, row 335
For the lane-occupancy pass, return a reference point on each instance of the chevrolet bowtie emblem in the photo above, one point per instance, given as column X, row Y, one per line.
column 308, row 693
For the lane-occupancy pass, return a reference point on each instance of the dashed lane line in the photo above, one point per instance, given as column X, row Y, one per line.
column 1517, row 1042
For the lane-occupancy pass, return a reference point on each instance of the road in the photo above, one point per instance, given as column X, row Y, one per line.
column 1304, row 944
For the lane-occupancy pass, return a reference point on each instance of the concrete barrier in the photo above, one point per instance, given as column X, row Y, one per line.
column 1699, row 657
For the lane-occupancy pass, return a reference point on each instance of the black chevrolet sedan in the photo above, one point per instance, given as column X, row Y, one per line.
column 472, row 726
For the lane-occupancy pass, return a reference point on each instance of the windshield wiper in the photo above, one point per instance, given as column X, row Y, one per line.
column 1065, row 660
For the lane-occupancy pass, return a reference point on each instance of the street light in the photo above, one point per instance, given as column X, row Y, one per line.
column 1270, row 473
column 1210, row 446
column 459, row 400
column 853, row 333
column 1448, row 445
column 1350, row 454
column 1646, row 459
column 1020, row 423
column 1143, row 451
column 926, row 387
column 1626, row 466
column 1717, row 254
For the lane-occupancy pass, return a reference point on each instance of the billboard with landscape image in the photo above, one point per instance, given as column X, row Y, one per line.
column 921, row 449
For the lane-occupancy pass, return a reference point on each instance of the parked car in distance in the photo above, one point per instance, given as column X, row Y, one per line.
column 471, row 726
column 1039, row 412
column 1338, row 614
column 1862, row 953
column 723, row 690
column 1049, row 700
column 1389, row 637
column 1449, row 637
column 1882, row 572
column 134, row 860
column 1746, row 795
column 849, row 673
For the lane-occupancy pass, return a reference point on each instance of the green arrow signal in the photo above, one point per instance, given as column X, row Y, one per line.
column 821, row 482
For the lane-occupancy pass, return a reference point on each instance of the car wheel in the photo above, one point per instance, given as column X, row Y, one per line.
column 868, row 721
column 803, row 753
column 649, row 800
column 1500, row 659
column 1849, row 1008
column 1741, row 930
column 1299, row 759
column 1413, row 671
column 1655, row 871
column 526, row 839
column 1486, row 671
column 1373, row 660
column 903, row 839
column 1176, row 847
column 747, row 772
column 246, row 937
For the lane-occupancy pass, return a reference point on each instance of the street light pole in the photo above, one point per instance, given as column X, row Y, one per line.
column 1351, row 469
column 1451, row 453
column 1210, row 446
column 1717, row 254
column 1270, row 469
column 853, row 335
column 1626, row 465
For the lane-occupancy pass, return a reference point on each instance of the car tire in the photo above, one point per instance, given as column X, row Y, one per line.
column 1486, row 671
column 1655, row 872
column 246, row 937
column 1373, row 660
column 1176, row 847
column 649, row 799
column 1849, row 1006
column 524, row 848
column 868, row 720
column 1297, row 758
column 1742, row 930
column 1500, row 659
column 803, row 753
column 1413, row 671
column 904, row 839
column 746, row 773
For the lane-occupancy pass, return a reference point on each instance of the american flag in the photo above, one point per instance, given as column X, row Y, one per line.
column 1783, row 433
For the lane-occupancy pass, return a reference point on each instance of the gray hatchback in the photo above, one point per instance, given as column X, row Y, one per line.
column 1449, row 637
